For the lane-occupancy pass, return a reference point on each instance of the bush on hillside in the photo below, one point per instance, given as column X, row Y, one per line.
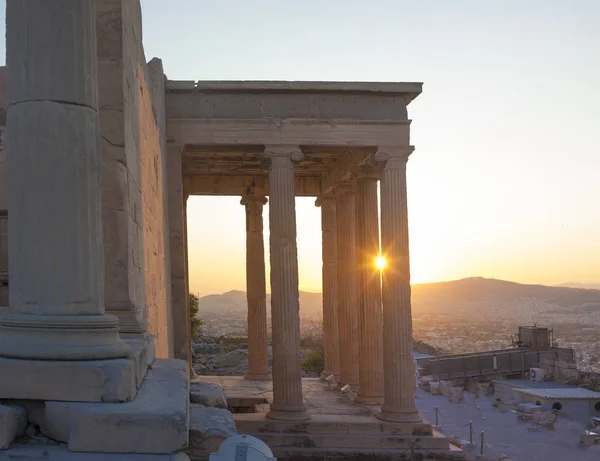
column 195, row 323
column 313, row 363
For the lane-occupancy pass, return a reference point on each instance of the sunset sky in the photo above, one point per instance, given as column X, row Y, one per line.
column 504, row 181
column 505, row 178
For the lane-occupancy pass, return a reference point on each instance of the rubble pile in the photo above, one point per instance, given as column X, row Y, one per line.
column 210, row 358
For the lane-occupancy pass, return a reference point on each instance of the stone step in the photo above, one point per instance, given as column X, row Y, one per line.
column 255, row 423
column 362, row 454
column 335, row 441
column 62, row 453
column 155, row 422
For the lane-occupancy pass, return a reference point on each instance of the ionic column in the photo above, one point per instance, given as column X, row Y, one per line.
column 285, row 309
column 330, row 286
column 398, row 365
column 188, row 320
column 56, row 255
column 369, row 288
column 348, row 317
column 258, row 356
column 177, row 248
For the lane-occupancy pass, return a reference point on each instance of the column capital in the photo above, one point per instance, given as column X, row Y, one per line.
column 284, row 151
column 344, row 189
column 367, row 172
column 393, row 154
column 253, row 197
column 325, row 200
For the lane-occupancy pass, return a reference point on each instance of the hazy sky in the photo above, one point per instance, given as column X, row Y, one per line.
column 505, row 178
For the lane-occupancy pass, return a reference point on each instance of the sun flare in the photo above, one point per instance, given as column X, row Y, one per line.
column 380, row 262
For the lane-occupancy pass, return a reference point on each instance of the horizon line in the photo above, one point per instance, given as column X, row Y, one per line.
column 560, row 285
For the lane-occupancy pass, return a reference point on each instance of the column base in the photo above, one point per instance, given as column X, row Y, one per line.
column 288, row 413
column 115, row 380
column 257, row 376
column 400, row 416
column 128, row 318
column 369, row 399
column 155, row 422
column 61, row 337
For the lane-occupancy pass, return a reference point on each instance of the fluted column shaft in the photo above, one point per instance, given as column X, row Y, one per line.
column 56, row 253
column 398, row 365
column 330, row 283
column 285, row 309
column 177, row 218
column 347, row 278
column 188, row 317
column 369, row 289
column 258, row 356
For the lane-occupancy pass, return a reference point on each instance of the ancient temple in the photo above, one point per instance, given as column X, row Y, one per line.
column 100, row 153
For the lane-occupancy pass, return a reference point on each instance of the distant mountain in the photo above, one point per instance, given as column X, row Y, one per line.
column 589, row 286
column 476, row 294
column 234, row 304
column 478, row 289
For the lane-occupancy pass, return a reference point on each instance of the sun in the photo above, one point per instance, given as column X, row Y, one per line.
column 380, row 262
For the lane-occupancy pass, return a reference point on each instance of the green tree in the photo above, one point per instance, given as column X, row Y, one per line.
column 313, row 363
column 195, row 322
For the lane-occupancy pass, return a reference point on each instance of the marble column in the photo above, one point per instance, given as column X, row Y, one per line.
column 349, row 333
column 369, row 288
column 56, row 254
column 188, row 322
column 330, row 293
column 177, row 236
column 285, row 309
column 398, row 365
column 3, row 258
column 256, row 292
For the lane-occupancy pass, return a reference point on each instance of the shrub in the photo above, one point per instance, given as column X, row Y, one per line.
column 313, row 363
column 195, row 322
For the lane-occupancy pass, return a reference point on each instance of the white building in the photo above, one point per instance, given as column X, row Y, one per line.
column 577, row 404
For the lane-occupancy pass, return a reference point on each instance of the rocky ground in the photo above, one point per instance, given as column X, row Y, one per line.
column 214, row 357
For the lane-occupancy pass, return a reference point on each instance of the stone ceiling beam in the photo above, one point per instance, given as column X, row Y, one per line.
column 302, row 132
column 238, row 185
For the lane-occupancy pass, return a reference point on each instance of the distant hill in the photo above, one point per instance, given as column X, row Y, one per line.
column 234, row 304
column 475, row 294
column 478, row 289
column 589, row 286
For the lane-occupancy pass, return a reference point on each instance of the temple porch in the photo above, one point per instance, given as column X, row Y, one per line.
column 338, row 428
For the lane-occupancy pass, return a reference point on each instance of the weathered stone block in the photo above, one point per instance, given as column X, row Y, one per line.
column 155, row 422
column 208, row 394
column 110, row 84
column 12, row 424
column 116, row 253
column 83, row 381
column 208, row 428
column 61, row 453
column 78, row 381
column 112, row 123
column 114, row 186
column 109, row 25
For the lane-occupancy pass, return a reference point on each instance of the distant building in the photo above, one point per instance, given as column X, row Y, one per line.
column 577, row 404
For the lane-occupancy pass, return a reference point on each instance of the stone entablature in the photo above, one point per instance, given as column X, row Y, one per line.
column 224, row 127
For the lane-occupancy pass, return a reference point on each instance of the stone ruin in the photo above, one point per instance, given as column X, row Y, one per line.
column 100, row 155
